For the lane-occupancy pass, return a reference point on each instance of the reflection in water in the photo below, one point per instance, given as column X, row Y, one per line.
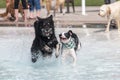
column 99, row 58
column 108, row 36
column 86, row 30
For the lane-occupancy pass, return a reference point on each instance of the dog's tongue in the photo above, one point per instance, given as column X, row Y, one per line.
column 47, row 33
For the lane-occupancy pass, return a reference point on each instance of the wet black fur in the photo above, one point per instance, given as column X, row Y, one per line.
column 41, row 40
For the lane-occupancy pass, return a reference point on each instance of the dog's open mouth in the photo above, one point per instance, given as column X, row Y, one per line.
column 62, row 38
column 47, row 33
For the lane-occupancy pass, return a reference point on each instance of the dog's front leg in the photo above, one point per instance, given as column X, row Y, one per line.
column 47, row 48
column 57, row 50
column 34, row 55
column 108, row 25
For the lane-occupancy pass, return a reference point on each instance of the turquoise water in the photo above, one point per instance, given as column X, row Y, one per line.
column 98, row 59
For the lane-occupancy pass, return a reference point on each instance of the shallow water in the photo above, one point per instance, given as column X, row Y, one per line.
column 98, row 59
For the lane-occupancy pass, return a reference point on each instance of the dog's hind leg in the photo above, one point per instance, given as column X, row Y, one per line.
column 34, row 55
column 63, row 8
column 73, row 54
column 73, row 5
column 35, row 50
column 64, row 55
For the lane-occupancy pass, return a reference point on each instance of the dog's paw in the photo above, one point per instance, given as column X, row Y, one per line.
column 57, row 50
column 48, row 49
column 106, row 31
column 34, row 60
column 56, row 55
column 34, row 56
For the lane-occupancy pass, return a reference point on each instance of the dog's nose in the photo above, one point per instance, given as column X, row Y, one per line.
column 60, row 35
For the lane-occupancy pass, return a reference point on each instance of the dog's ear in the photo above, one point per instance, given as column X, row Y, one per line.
column 70, row 32
column 38, row 18
column 50, row 17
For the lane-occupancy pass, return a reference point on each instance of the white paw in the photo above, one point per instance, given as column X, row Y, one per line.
column 47, row 48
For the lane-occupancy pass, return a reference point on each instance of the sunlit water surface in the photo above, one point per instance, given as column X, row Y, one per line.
column 98, row 59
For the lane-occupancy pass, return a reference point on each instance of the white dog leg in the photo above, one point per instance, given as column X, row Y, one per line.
column 64, row 54
column 73, row 54
column 108, row 26
column 57, row 50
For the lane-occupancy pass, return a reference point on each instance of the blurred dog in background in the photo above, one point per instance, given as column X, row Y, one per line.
column 54, row 5
column 112, row 11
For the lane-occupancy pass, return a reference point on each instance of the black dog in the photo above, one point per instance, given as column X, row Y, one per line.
column 45, row 40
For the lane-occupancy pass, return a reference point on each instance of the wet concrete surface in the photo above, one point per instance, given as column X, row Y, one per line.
column 68, row 19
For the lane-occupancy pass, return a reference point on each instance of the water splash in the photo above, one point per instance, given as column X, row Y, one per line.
column 98, row 58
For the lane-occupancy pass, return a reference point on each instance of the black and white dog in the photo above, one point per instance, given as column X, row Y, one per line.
column 45, row 40
column 70, row 44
